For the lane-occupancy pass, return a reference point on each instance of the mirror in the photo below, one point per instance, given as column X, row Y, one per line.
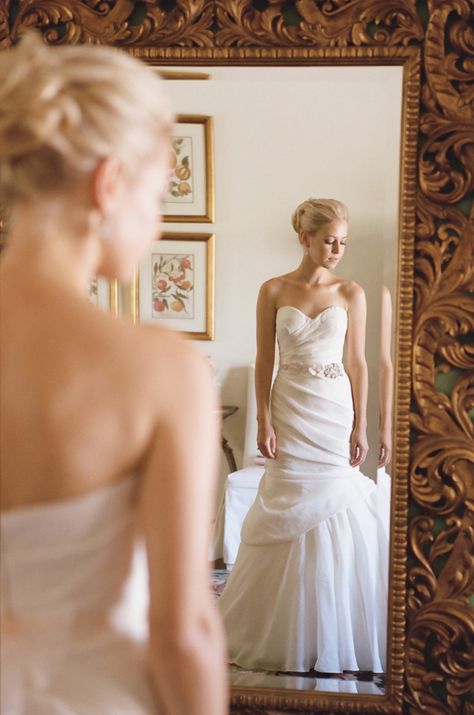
column 282, row 135
column 428, row 663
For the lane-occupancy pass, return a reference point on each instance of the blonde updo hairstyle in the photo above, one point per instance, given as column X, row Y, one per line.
column 310, row 215
column 63, row 109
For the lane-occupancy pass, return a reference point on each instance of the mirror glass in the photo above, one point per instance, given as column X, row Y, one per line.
column 282, row 135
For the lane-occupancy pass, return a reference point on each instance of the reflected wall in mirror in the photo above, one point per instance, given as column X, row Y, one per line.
column 281, row 135
column 429, row 664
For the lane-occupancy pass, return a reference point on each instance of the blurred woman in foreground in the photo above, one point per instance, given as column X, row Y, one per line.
column 108, row 429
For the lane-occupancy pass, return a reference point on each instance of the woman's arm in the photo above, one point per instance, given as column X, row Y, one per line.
column 266, row 315
column 385, row 380
column 187, row 646
column 356, row 368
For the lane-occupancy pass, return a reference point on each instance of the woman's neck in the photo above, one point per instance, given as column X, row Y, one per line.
column 311, row 274
column 59, row 250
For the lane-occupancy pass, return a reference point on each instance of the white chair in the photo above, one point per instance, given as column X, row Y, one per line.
column 241, row 486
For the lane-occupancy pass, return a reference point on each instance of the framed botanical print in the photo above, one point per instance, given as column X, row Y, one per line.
column 190, row 194
column 174, row 285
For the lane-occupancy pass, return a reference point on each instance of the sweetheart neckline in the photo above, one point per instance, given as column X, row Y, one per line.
column 324, row 310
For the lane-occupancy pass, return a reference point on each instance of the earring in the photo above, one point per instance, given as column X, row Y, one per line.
column 306, row 252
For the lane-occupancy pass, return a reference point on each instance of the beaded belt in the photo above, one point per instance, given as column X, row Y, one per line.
column 330, row 370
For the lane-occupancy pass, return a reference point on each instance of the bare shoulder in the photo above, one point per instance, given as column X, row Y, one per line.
column 271, row 287
column 352, row 292
column 159, row 366
column 171, row 356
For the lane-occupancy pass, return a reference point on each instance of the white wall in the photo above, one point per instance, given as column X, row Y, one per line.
column 282, row 135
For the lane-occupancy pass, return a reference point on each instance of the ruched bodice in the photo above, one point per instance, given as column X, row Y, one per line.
column 311, row 340
column 313, row 542
column 64, row 569
column 88, row 540
column 312, row 414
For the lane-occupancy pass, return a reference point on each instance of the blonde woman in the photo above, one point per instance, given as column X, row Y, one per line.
column 108, row 429
column 306, row 591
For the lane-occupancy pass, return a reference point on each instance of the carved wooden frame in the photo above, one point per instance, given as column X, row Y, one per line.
column 432, row 648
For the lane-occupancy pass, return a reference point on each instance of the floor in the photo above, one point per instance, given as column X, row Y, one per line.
column 361, row 683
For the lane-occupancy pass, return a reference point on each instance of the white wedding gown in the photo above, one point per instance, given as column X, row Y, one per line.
column 66, row 645
column 309, row 586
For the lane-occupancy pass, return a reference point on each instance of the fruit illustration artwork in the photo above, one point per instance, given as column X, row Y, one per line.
column 181, row 182
column 172, row 285
column 177, row 306
column 182, row 171
column 159, row 305
column 184, row 188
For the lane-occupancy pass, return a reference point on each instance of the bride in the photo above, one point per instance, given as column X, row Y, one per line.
column 309, row 586
column 108, row 429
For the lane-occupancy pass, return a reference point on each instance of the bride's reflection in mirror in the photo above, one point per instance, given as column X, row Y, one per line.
column 385, row 380
column 384, row 485
column 350, row 126
column 308, row 591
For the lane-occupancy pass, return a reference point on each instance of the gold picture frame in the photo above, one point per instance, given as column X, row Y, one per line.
column 190, row 197
column 174, row 285
column 104, row 294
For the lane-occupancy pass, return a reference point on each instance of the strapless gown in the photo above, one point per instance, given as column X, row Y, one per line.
column 309, row 586
column 67, row 647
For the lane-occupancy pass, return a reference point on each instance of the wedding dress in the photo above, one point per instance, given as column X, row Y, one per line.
column 309, row 586
column 67, row 648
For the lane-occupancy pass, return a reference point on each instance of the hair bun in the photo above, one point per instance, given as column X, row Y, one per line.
column 311, row 214
column 296, row 217
column 64, row 108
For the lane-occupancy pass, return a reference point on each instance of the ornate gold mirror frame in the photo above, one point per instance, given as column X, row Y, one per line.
column 432, row 630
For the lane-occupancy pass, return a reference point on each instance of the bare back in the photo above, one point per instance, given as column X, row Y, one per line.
column 89, row 401
column 81, row 391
